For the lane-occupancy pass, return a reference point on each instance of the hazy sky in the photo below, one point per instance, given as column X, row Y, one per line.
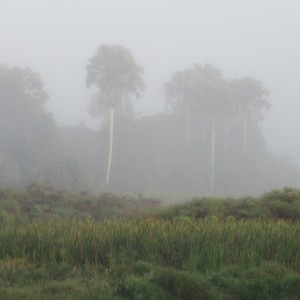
column 258, row 38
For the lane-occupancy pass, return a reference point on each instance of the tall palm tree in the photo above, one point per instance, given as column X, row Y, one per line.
column 201, row 89
column 249, row 97
column 211, row 97
column 114, row 71
column 179, row 92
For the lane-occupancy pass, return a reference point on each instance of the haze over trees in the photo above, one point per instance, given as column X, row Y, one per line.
column 114, row 71
column 208, row 142
column 29, row 146
column 141, row 150
column 203, row 90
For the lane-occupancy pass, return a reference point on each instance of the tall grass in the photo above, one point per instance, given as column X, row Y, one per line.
column 204, row 245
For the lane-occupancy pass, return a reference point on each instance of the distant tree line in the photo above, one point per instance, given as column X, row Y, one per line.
column 215, row 101
column 30, row 150
column 207, row 142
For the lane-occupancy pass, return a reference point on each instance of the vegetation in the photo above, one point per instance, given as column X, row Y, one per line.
column 214, row 100
column 151, row 157
column 207, row 143
column 58, row 245
column 278, row 204
column 21, row 279
column 203, row 246
column 114, row 71
column 43, row 201
column 30, row 150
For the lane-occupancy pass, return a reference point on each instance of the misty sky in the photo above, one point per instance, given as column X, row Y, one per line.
column 258, row 38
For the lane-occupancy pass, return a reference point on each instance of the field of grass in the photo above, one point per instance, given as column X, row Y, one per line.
column 203, row 246
column 157, row 257
column 177, row 252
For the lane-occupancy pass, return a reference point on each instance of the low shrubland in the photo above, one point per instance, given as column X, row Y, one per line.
column 42, row 201
column 39, row 201
column 277, row 204
column 21, row 279
column 58, row 245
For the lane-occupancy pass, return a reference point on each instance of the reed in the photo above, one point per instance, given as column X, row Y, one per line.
column 204, row 245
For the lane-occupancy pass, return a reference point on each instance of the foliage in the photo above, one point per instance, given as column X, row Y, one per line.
column 114, row 71
column 29, row 146
column 147, row 259
column 21, row 279
column 150, row 158
column 278, row 204
column 44, row 201
column 268, row 281
column 203, row 246
column 10, row 173
column 200, row 86
column 40, row 201
column 58, row 245
column 249, row 96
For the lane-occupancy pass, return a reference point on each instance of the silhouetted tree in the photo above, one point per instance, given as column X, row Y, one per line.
column 200, row 89
column 28, row 134
column 180, row 92
column 27, row 131
column 249, row 96
column 114, row 71
column 212, row 101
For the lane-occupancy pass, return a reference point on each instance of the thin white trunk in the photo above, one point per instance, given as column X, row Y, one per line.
column 204, row 131
column 187, row 123
column 245, row 135
column 110, row 149
column 226, row 143
column 123, row 105
column 212, row 178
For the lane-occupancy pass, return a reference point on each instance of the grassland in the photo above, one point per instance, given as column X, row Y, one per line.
column 223, row 249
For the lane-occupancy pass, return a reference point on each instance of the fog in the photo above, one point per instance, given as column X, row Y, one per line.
column 258, row 38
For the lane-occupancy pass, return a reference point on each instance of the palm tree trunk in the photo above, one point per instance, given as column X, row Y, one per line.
column 110, row 149
column 123, row 105
column 204, row 131
column 226, row 143
column 245, row 135
column 187, row 123
column 212, row 178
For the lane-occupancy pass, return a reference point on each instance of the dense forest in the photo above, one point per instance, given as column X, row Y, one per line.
column 207, row 142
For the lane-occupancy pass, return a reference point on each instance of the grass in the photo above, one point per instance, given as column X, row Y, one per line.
column 21, row 279
column 205, row 245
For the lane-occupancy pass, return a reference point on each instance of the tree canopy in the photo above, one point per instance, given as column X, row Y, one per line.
column 225, row 153
column 114, row 71
column 29, row 142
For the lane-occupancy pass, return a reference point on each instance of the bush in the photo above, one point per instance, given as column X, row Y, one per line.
column 183, row 285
